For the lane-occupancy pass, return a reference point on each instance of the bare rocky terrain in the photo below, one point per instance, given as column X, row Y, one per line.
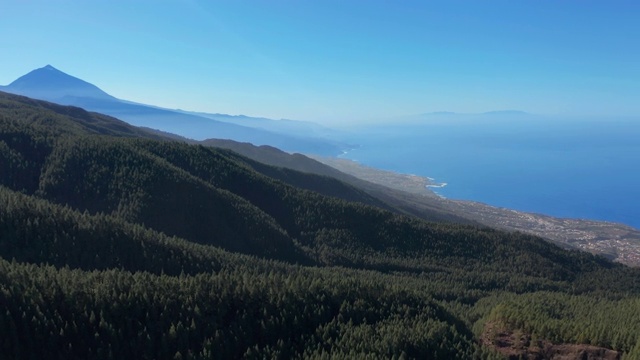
column 615, row 241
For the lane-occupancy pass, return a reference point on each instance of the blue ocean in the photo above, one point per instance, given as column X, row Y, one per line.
column 574, row 168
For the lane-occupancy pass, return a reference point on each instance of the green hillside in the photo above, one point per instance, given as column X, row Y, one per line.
column 118, row 243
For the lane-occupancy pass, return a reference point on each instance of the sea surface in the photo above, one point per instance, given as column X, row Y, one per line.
column 575, row 168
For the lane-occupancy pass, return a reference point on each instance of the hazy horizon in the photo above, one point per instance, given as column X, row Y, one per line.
column 335, row 62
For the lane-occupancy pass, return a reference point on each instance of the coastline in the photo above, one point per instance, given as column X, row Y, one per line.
column 615, row 241
column 410, row 183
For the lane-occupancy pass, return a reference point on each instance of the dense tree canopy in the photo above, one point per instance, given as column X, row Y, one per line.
column 116, row 244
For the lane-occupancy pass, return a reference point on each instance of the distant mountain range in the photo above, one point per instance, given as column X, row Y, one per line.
column 51, row 84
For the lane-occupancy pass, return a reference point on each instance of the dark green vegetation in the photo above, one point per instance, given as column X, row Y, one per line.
column 400, row 201
column 116, row 245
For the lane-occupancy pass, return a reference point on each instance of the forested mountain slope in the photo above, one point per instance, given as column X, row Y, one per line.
column 407, row 194
column 400, row 201
column 115, row 246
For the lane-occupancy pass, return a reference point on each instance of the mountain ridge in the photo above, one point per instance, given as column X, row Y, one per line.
column 51, row 84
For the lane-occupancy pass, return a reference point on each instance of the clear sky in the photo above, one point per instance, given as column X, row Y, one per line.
column 330, row 61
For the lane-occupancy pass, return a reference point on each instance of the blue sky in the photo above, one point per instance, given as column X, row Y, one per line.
column 338, row 61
